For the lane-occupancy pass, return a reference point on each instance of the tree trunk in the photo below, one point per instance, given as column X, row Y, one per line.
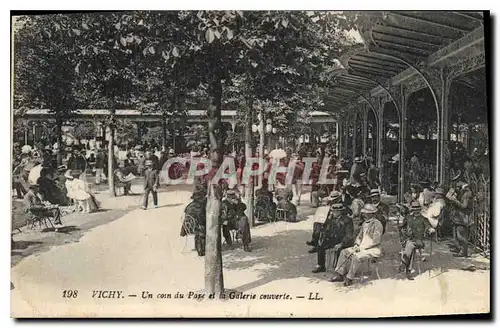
column 262, row 140
column 164, row 132
column 111, row 146
column 214, row 281
column 59, row 139
column 249, row 154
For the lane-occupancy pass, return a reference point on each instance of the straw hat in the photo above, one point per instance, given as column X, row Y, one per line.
column 415, row 206
column 357, row 160
column 374, row 192
column 68, row 175
column 439, row 191
column 369, row 209
column 337, row 207
column 334, row 196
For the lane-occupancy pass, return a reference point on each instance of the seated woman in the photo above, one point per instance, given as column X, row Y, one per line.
column 265, row 207
column 37, row 206
column 49, row 188
column 243, row 227
column 123, row 177
column 284, row 197
column 229, row 217
column 195, row 220
column 77, row 190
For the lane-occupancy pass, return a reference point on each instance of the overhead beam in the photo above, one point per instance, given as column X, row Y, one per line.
column 428, row 21
column 363, row 63
column 458, row 46
column 373, row 70
column 378, row 60
column 363, row 85
column 401, row 39
column 466, row 15
column 396, row 29
column 403, row 48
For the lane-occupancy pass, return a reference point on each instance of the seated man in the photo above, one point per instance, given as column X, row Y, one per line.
column 434, row 212
column 382, row 208
column 411, row 232
column 124, row 180
column 35, row 205
column 243, row 227
column 196, row 210
column 334, row 198
column 336, row 233
column 284, row 197
column 366, row 246
column 264, row 202
column 229, row 217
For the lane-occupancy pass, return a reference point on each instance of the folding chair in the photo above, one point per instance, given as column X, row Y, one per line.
column 281, row 214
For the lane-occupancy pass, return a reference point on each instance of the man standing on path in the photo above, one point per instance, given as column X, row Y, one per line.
column 151, row 183
column 462, row 220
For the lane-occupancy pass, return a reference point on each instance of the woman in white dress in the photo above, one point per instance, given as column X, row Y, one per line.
column 78, row 192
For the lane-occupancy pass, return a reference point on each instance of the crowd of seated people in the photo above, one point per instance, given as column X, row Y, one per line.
column 352, row 242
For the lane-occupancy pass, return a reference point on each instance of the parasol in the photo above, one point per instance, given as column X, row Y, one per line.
column 34, row 174
column 277, row 154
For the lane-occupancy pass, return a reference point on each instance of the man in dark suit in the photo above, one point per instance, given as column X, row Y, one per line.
column 151, row 184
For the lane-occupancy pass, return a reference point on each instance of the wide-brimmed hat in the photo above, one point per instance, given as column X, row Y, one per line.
column 369, row 209
column 357, row 159
column 424, row 183
column 439, row 191
column 230, row 192
column 337, row 207
column 335, row 195
column 68, row 174
column 415, row 206
column 374, row 192
column 62, row 168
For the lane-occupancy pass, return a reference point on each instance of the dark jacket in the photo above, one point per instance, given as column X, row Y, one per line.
column 413, row 228
column 463, row 209
column 100, row 160
column 151, row 179
column 337, row 231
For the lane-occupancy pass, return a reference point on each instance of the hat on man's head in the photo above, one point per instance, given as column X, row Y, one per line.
column 69, row 174
column 171, row 151
column 369, row 209
column 230, row 192
column 357, row 159
column 148, row 162
column 415, row 206
column 61, row 168
column 374, row 192
column 337, row 207
column 439, row 191
column 335, row 195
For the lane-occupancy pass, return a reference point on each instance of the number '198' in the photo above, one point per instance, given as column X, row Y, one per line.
column 70, row 293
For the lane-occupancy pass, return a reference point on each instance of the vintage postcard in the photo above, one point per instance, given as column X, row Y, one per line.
column 250, row 164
